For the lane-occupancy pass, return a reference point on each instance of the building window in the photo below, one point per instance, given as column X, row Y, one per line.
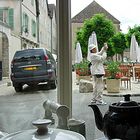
column 25, row 23
column 7, row 16
column 32, row 2
column 33, row 28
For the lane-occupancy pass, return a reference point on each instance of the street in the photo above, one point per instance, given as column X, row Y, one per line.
column 18, row 110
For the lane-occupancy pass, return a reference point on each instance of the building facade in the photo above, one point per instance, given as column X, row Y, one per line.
column 24, row 24
column 52, row 37
column 87, row 13
column 28, row 24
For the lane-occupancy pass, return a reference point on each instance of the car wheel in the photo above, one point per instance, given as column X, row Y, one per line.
column 52, row 84
column 33, row 85
column 18, row 88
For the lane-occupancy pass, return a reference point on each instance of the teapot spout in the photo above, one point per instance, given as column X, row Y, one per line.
column 98, row 117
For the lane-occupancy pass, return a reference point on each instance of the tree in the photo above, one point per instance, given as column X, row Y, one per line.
column 136, row 31
column 118, row 42
column 103, row 27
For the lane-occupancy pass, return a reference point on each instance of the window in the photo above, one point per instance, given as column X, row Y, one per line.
column 4, row 15
column 33, row 28
column 25, row 23
column 7, row 16
column 32, row 2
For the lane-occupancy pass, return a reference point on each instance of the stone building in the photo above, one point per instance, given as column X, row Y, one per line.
column 47, row 26
column 52, row 34
column 87, row 13
column 25, row 24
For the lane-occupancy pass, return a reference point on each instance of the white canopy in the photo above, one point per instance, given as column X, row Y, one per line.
column 78, row 53
column 92, row 40
column 134, row 49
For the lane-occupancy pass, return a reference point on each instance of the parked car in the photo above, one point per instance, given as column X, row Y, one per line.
column 31, row 67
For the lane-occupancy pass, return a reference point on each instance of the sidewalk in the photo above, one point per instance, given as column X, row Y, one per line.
column 80, row 102
column 5, row 81
column 83, row 112
column 135, row 89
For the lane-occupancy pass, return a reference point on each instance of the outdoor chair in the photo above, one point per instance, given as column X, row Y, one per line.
column 137, row 74
column 125, row 71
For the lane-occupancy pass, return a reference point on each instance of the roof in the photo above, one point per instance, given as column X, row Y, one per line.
column 92, row 9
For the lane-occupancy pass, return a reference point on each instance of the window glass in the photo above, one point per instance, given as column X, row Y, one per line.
column 33, row 28
column 32, row 2
column 25, row 23
column 11, row 17
column 7, row 16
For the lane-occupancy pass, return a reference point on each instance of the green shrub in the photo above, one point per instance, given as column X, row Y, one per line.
column 82, row 68
column 113, row 69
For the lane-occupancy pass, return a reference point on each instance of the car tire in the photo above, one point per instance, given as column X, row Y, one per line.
column 18, row 88
column 33, row 85
column 52, row 84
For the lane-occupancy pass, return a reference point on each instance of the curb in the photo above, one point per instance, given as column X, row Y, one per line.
column 120, row 95
column 6, row 83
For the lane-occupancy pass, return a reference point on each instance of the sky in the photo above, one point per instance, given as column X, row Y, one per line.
column 126, row 11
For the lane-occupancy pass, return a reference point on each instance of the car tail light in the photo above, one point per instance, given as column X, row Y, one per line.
column 46, row 58
column 48, row 61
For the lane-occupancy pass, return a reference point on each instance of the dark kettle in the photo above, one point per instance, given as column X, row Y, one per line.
column 121, row 121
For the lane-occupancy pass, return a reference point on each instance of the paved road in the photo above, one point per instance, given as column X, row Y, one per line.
column 19, row 110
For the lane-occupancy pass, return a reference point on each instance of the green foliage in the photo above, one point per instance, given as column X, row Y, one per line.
column 118, row 43
column 113, row 69
column 82, row 68
column 83, row 64
column 103, row 28
column 136, row 31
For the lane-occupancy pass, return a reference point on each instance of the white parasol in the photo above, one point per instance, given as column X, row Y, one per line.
column 138, row 54
column 92, row 40
column 78, row 53
column 133, row 49
column 133, row 52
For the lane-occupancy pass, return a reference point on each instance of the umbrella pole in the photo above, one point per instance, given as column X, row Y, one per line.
column 133, row 71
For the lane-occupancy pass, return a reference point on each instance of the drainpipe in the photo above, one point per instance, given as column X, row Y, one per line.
column 37, row 19
column 21, row 22
column 51, row 37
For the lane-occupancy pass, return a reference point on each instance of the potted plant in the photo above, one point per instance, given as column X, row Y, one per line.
column 113, row 78
column 82, row 70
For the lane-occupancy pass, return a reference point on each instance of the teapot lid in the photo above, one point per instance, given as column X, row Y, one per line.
column 125, row 105
column 127, row 101
column 43, row 133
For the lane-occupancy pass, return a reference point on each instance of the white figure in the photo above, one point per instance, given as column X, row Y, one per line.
column 97, row 71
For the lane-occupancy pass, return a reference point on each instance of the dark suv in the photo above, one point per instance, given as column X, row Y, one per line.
column 31, row 67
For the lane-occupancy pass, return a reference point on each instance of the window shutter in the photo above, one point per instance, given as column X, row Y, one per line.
column 23, row 19
column 1, row 14
column 33, row 28
column 11, row 17
column 25, row 22
column 32, row 2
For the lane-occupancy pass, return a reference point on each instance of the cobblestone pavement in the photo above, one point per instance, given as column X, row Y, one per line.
column 80, row 102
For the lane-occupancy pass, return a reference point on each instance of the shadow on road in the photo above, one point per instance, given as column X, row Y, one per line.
column 34, row 89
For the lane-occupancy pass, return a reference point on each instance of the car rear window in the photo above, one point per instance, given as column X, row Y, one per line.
column 28, row 55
